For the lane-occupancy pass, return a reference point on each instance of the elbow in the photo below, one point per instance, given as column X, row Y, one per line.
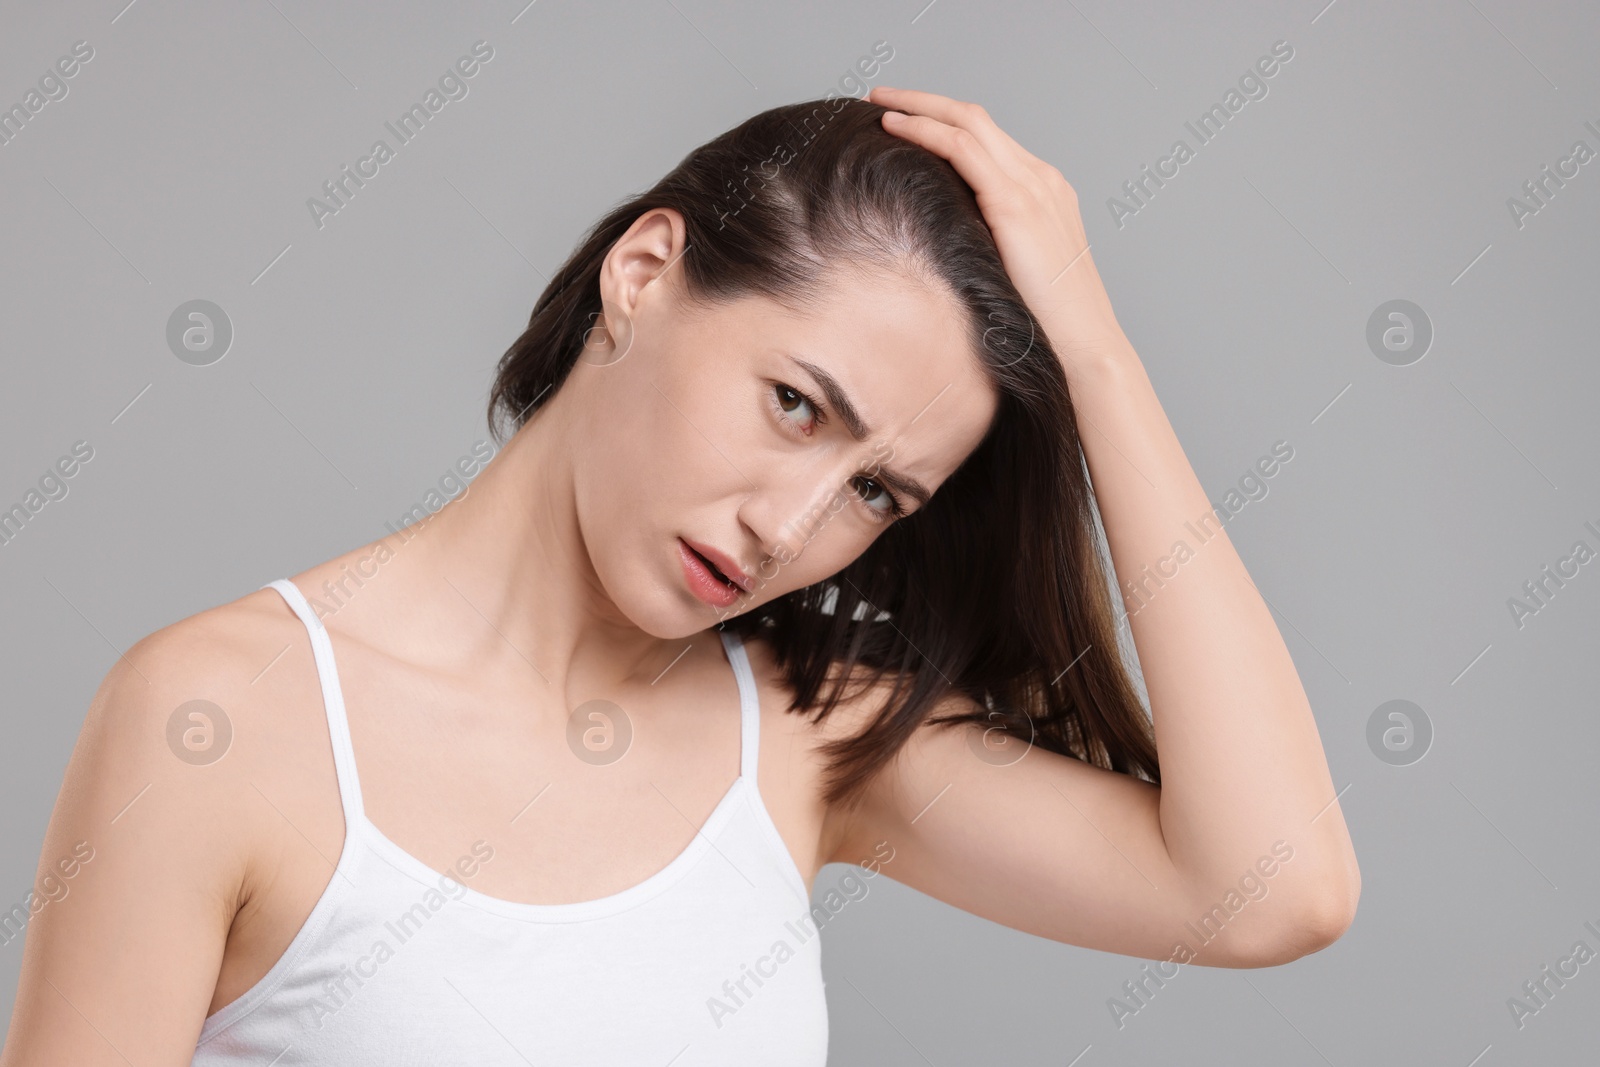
column 1312, row 929
column 1322, row 927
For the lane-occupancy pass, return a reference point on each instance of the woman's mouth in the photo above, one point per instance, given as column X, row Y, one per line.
column 705, row 580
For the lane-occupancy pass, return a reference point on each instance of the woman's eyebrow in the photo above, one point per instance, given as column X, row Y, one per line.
column 839, row 400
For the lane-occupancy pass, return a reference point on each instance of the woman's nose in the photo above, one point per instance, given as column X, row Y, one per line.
column 790, row 509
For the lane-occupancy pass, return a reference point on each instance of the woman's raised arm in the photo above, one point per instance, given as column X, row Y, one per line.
column 1242, row 764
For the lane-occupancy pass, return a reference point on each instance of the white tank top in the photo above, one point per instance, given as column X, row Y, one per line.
column 714, row 959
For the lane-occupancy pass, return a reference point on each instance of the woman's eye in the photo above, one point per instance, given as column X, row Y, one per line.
column 876, row 497
column 789, row 400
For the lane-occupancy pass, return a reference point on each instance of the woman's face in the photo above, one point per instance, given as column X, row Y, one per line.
column 781, row 443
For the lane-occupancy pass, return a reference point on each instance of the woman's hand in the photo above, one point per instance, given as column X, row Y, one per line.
column 1033, row 214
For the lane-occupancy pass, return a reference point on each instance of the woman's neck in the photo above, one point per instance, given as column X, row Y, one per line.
column 501, row 577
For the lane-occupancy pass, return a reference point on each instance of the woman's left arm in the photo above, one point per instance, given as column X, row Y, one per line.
column 1242, row 764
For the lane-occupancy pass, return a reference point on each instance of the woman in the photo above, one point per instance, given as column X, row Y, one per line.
column 795, row 430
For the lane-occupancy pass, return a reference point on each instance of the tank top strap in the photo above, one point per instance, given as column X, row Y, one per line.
column 749, row 706
column 344, row 760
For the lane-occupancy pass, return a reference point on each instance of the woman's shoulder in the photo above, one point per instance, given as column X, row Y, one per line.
column 218, row 655
column 803, row 760
column 856, row 709
column 866, row 696
column 202, row 706
column 180, row 796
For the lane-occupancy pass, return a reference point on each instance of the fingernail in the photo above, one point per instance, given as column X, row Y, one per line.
column 893, row 118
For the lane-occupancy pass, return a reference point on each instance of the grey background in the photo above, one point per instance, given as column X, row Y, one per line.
column 1419, row 500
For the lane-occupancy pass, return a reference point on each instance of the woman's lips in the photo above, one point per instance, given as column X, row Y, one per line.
column 722, row 562
column 703, row 583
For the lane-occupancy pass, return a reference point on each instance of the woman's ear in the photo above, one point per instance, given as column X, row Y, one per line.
column 607, row 338
column 647, row 253
column 640, row 268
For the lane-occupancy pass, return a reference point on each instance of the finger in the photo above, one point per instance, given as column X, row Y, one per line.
column 967, row 116
column 994, row 187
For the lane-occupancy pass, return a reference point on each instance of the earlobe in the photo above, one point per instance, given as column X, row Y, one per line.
column 608, row 337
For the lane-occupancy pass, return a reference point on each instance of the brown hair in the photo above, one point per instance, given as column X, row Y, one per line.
column 998, row 586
